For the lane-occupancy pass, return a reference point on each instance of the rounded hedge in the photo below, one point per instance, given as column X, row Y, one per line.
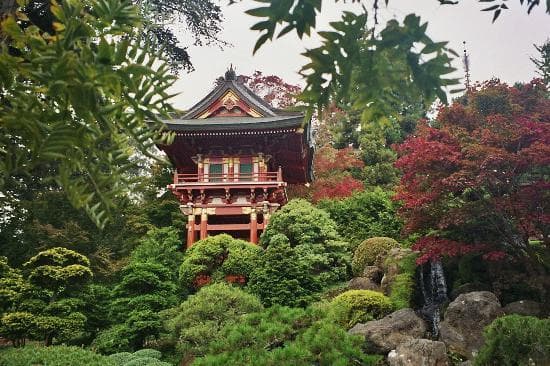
column 359, row 306
column 369, row 250
column 217, row 257
column 515, row 340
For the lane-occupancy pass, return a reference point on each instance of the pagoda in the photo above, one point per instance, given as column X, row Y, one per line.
column 234, row 156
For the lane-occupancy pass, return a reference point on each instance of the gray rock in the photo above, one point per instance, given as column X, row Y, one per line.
column 524, row 307
column 386, row 334
column 468, row 287
column 374, row 273
column 419, row 352
column 362, row 283
column 464, row 320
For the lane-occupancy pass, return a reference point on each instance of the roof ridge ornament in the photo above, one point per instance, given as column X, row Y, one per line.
column 230, row 74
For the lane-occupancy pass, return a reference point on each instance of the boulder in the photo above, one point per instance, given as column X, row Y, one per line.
column 524, row 307
column 381, row 336
column 419, row 352
column 374, row 273
column 468, row 287
column 464, row 320
column 362, row 283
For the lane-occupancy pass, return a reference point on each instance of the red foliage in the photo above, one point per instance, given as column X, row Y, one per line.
column 329, row 160
column 272, row 89
column 338, row 186
column 480, row 174
column 333, row 179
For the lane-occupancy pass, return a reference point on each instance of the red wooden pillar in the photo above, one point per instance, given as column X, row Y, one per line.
column 230, row 170
column 190, row 229
column 204, row 224
column 253, row 228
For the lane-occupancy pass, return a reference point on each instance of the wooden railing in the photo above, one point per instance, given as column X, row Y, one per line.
column 241, row 178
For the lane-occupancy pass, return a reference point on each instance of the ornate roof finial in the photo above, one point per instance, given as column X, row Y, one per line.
column 230, row 74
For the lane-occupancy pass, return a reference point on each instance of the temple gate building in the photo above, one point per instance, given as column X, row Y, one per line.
column 234, row 156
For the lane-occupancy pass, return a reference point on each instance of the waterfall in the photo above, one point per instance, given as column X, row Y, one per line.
column 434, row 291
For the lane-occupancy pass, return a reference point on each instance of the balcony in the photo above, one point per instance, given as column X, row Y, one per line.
column 228, row 181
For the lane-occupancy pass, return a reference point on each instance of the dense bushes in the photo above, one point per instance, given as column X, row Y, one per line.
column 147, row 286
column 52, row 356
column 365, row 214
column 197, row 321
column 282, row 277
column 285, row 337
column 359, row 306
column 368, row 251
column 515, row 340
column 217, row 257
column 313, row 235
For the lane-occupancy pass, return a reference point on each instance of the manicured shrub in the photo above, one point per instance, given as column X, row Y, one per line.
column 515, row 340
column 148, row 352
column 121, row 357
column 16, row 327
column 365, row 214
column 313, row 235
column 369, row 250
column 143, row 357
column 145, row 361
column 197, row 322
column 282, row 276
column 217, row 257
column 359, row 306
column 53, row 356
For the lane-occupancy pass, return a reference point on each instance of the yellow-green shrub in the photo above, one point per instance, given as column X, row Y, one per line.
column 359, row 306
column 367, row 252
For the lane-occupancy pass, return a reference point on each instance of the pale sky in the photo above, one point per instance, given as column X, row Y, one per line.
column 498, row 50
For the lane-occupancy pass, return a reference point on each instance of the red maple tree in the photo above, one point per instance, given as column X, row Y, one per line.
column 333, row 178
column 478, row 178
column 272, row 89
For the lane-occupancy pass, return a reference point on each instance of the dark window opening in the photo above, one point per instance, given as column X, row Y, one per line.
column 215, row 172
column 245, row 171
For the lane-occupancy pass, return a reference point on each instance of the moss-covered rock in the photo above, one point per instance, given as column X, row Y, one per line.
column 369, row 251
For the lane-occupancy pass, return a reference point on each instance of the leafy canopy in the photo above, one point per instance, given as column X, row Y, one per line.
column 75, row 104
column 476, row 180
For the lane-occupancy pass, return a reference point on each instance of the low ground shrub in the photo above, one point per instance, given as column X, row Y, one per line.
column 368, row 251
column 359, row 306
column 285, row 336
column 515, row 340
column 52, row 356
column 197, row 322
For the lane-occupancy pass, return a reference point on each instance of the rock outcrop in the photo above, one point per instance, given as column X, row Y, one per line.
column 419, row 352
column 384, row 335
column 464, row 320
column 362, row 283
column 524, row 307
